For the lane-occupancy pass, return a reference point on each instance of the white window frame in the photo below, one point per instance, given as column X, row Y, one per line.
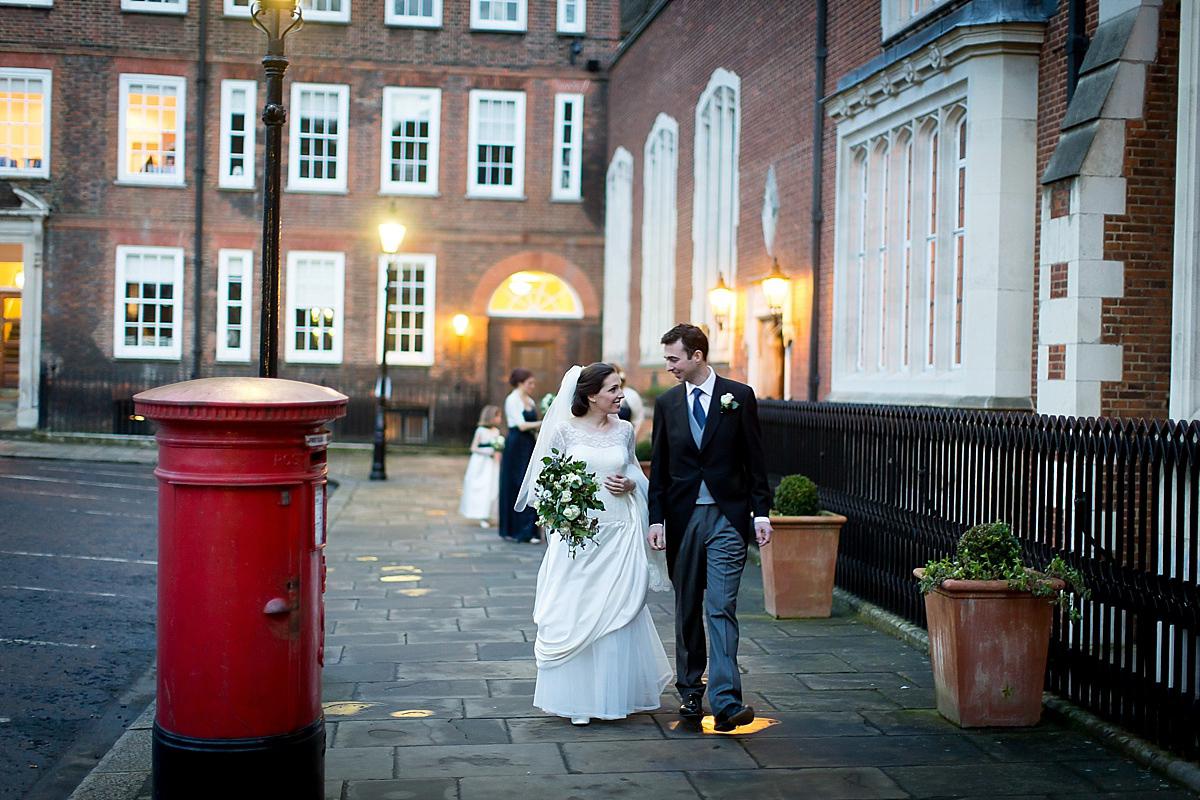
column 392, row 16
column 172, row 352
column 310, row 14
column 616, row 328
column 46, row 77
column 567, row 148
column 237, row 8
column 896, row 15
column 336, row 185
column 156, row 6
column 580, row 23
column 143, row 178
column 425, row 355
column 226, row 260
column 225, row 178
column 478, row 23
column 715, row 206
column 428, row 187
column 30, row 3
column 660, row 222
column 336, row 298
column 474, row 189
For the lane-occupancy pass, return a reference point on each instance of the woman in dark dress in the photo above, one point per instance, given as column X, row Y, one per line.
column 520, row 412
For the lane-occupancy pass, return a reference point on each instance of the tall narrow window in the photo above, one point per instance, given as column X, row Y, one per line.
column 407, row 308
column 571, row 16
column 151, row 129
column 960, row 225
column 859, row 219
column 411, row 120
column 498, row 15
column 25, row 123
column 414, row 13
column 317, row 152
column 496, row 144
column 234, row 270
column 931, row 250
column 149, row 302
column 879, row 234
column 237, row 134
column 618, row 258
column 315, row 288
column 660, row 167
column 907, row 186
column 715, row 198
column 567, row 166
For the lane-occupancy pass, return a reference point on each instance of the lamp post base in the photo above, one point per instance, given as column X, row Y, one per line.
column 379, row 457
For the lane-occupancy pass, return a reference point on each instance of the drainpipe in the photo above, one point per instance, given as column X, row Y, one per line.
column 818, row 214
column 198, row 178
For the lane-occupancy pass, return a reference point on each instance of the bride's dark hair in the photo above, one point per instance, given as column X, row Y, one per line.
column 591, row 381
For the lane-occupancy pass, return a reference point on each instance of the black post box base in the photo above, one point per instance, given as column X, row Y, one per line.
column 290, row 765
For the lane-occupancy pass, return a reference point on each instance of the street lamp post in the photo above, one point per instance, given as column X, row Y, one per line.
column 391, row 234
column 775, row 289
column 277, row 19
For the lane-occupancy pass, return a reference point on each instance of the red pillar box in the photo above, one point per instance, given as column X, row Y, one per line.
column 241, row 526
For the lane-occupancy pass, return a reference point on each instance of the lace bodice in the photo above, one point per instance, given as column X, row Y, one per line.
column 606, row 453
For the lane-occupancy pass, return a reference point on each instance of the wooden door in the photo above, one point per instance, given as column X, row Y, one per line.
column 10, row 338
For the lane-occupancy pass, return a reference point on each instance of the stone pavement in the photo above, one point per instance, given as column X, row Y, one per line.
column 429, row 679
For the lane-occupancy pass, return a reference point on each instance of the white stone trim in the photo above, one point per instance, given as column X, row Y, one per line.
column 26, row 226
column 616, row 323
column 1185, row 334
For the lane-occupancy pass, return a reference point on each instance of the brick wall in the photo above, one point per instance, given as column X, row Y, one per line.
column 91, row 45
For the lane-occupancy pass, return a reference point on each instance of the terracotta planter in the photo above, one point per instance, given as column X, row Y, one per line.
column 988, row 645
column 799, row 563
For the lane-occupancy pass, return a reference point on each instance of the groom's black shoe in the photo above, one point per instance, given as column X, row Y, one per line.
column 733, row 717
column 693, row 707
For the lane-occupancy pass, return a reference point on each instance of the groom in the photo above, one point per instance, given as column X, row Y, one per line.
column 708, row 485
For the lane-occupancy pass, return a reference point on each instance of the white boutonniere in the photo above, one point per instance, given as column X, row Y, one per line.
column 728, row 403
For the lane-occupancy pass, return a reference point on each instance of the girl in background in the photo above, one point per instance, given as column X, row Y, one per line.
column 481, row 483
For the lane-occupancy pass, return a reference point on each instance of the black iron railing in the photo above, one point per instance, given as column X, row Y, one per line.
column 421, row 411
column 1117, row 499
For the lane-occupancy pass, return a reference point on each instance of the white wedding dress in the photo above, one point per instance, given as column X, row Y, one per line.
column 598, row 653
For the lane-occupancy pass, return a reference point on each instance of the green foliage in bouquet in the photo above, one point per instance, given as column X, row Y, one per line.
column 566, row 492
column 796, row 496
column 990, row 552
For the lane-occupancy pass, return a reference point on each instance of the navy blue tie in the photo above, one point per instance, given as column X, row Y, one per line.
column 697, row 409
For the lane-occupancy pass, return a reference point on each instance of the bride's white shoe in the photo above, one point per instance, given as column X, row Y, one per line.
column 580, row 720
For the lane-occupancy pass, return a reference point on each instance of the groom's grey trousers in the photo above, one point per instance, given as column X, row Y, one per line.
column 708, row 572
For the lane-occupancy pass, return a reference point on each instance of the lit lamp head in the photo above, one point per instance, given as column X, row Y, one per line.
column 720, row 298
column 276, row 18
column 775, row 288
column 460, row 324
column 391, row 234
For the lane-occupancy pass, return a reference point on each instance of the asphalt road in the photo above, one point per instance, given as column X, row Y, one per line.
column 77, row 609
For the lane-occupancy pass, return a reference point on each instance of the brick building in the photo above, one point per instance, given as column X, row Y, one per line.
column 131, row 193
column 1004, row 212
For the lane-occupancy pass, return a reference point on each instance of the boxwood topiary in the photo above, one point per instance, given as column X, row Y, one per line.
column 796, row 496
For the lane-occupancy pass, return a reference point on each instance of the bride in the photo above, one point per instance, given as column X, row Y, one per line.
column 598, row 653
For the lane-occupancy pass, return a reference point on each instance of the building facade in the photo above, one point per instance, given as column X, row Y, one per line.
column 131, row 192
column 978, row 204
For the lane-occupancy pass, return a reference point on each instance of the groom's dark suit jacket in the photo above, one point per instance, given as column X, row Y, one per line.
column 729, row 460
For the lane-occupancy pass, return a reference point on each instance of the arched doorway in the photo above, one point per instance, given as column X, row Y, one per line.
column 22, row 222
column 543, row 315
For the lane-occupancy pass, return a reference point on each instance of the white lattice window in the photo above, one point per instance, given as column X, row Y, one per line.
column 660, row 168
column 25, row 123
column 325, row 10
column 895, row 15
column 317, row 151
column 151, row 129
column 235, row 269
column 618, row 257
column 715, row 200
column 236, row 158
column 406, row 309
column 498, row 15
column 156, row 6
column 572, row 16
column 567, row 167
column 496, row 144
column 315, row 292
column 535, row 294
column 414, row 13
column 149, row 302
column 411, row 125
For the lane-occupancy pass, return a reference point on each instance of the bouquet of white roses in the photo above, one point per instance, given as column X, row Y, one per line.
column 498, row 444
column 566, row 491
column 544, row 405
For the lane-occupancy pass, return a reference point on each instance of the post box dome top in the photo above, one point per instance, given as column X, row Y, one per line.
column 241, row 399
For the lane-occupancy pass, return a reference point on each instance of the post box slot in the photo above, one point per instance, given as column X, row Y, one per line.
column 317, row 457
